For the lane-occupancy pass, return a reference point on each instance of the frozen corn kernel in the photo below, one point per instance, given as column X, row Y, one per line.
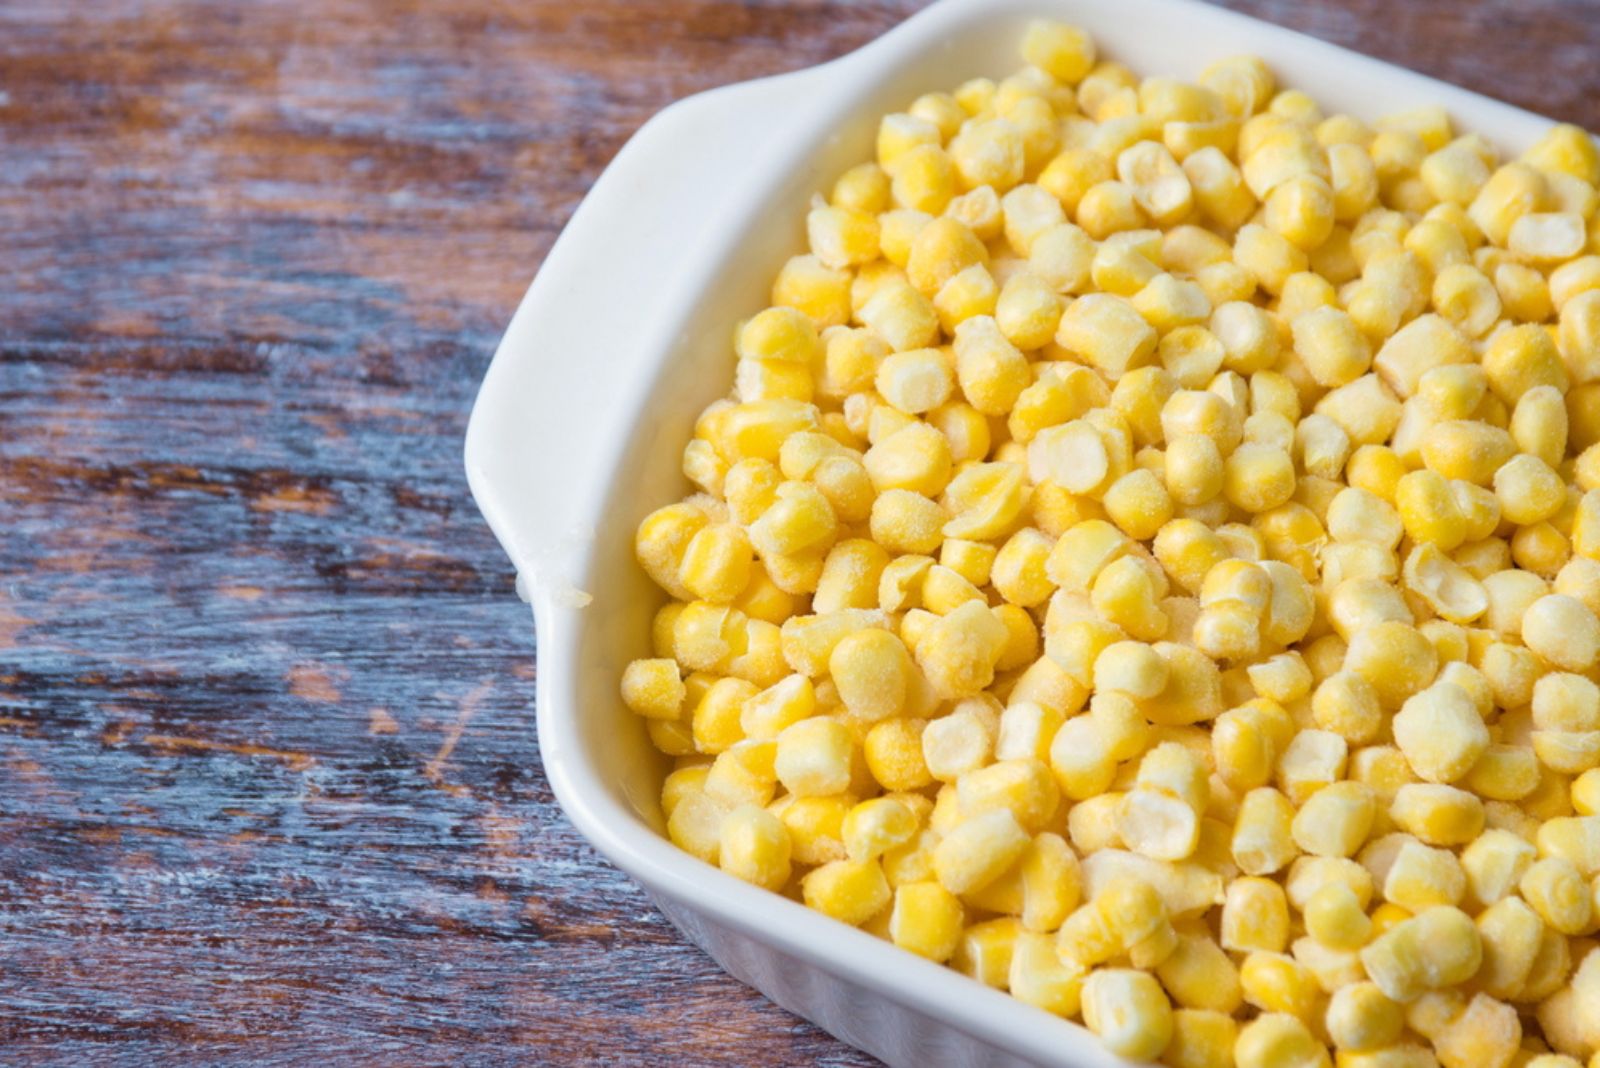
column 927, row 920
column 1336, row 820
column 1441, row 733
column 1255, row 917
column 1438, row 815
column 979, row 850
column 814, row 757
column 654, row 689
column 852, row 891
column 1275, row 982
column 1437, row 948
column 1563, row 630
column 1278, row 1040
column 1420, row 876
column 1557, row 891
column 1129, row 1012
column 755, row 846
column 1361, row 1018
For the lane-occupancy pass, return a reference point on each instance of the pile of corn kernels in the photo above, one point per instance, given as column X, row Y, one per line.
column 1150, row 560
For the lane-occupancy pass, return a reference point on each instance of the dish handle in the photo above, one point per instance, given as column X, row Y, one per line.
column 546, row 413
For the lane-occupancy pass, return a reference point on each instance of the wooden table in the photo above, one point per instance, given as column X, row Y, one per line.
column 269, row 788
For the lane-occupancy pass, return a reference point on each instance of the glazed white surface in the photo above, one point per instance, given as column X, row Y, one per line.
column 626, row 334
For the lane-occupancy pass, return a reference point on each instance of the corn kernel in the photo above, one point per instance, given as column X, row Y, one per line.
column 1129, row 1012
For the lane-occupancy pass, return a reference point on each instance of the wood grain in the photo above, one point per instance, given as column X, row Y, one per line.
column 269, row 788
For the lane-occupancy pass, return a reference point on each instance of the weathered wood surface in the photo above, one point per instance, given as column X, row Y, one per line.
column 269, row 789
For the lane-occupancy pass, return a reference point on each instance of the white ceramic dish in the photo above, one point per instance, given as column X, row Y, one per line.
column 626, row 334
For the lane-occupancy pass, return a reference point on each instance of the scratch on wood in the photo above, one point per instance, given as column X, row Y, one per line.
column 314, row 682
column 434, row 768
column 295, row 761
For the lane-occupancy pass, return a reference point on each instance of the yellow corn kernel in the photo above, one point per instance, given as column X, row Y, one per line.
column 1541, row 549
column 1360, row 1018
column 842, row 237
column 1334, row 916
column 899, row 133
column 1160, row 817
column 1159, row 184
column 1244, row 84
column 1026, row 730
column 926, row 919
column 1137, row 918
column 1563, row 630
column 1366, row 410
column 1511, row 933
column 1524, row 292
column 852, row 891
column 864, row 187
column 1586, row 793
column 1109, row 207
column 893, row 752
column 962, row 740
column 1487, row 1032
column 681, row 783
column 1437, row 948
column 819, row 292
column 814, row 827
column 876, row 827
column 1255, row 917
column 979, row 850
column 1546, row 237
column 1199, row 975
column 1242, row 749
column 1073, row 173
column 1336, row 820
column 1258, row 478
column 1270, row 257
column 985, row 951
column 1139, row 503
column 1023, row 787
column 1274, row 982
column 1557, row 891
column 1126, row 593
column 1441, row 733
column 1313, row 760
column 653, row 689
column 814, row 757
column 755, row 847
column 716, row 563
column 1510, row 193
column 1566, row 149
column 1421, row 876
column 923, row 175
column 1333, row 348
column 1039, row 976
column 988, row 152
column 872, row 670
column 743, row 774
column 1128, row 1011
column 1302, row 209
column 1438, row 815
column 1346, row 704
column 1201, row 1038
column 695, row 826
column 1276, row 1040
column 1106, row 331
column 906, row 522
